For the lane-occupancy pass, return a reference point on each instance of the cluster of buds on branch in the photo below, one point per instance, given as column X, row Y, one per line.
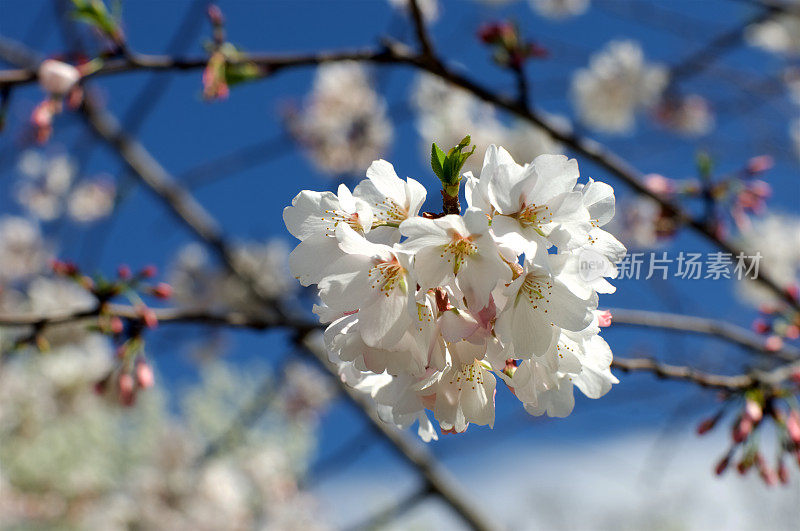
column 132, row 372
column 779, row 323
column 425, row 311
column 224, row 67
column 735, row 195
column 758, row 408
column 509, row 48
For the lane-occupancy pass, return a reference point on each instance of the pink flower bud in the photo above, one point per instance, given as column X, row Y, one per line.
column 793, row 426
column 144, row 374
column 604, row 318
column 773, row 343
column 752, row 411
column 162, row 290
column 148, row 316
column 760, row 164
column 56, row 77
column 742, row 429
column 64, row 268
column 659, row 184
column 215, row 15
column 792, row 332
column 127, row 393
column 115, row 325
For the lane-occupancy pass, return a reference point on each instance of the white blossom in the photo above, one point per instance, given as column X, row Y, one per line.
column 56, row 77
column 426, row 315
column 616, row 85
column 344, row 124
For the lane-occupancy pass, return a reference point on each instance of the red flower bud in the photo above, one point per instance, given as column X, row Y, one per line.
column 64, row 268
column 793, row 291
column 722, row 465
column 706, row 425
column 124, row 272
column 783, row 473
column 760, row 326
column 742, row 429
column 148, row 272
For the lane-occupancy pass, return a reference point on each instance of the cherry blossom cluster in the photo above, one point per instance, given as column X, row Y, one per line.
column 426, row 311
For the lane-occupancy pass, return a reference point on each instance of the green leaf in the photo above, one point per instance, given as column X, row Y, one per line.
column 437, row 160
column 447, row 167
column 95, row 13
column 241, row 72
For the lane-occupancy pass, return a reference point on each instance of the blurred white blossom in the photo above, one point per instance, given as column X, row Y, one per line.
column 45, row 183
column 429, row 8
column 445, row 113
column 689, row 115
column 91, row 200
column 778, row 34
column 559, row 9
column 616, row 85
column 344, row 124
column 200, row 283
column 777, row 238
column 22, row 249
column 72, row 459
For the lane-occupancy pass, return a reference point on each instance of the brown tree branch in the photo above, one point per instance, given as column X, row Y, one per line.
column 700, row 325
column 768, row 379
column 399, row 54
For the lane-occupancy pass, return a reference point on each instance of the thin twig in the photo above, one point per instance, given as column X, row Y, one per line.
column 423, row 38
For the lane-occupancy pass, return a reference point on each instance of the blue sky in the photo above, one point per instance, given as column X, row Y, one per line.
column 182, row 132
